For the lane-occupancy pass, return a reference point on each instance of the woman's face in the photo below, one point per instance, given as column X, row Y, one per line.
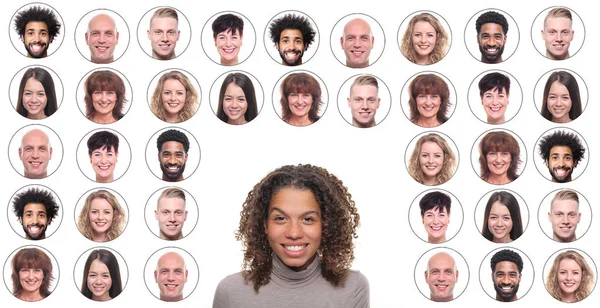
column 31, row 279
column 101, row 215
column 300, row 104
column 559, row 102
column 431, row 159
column 428, row 105
column 495, row 103
column 500, row 223
column 104, row 162
column 436, row 223
column 234, row 103
column 34, row 99
column 99, row 280
column 424, row 38
column 569, row 276
column 104, row 101
column 173, row 96
column 498, row 162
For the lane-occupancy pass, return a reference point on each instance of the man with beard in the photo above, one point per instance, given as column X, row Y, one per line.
column 561, row 151
column 35, row 208
column 173, row 147
column 292, row 35
column 491, row 36
column 507, row 267
column 37, row 27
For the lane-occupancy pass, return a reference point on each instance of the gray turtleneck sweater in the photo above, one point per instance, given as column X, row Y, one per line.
column 287, row 288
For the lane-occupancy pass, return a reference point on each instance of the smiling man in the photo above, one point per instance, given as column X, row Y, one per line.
column 364, row 101
column 357, row 42
column 35, row 208
column 37, row 27
column 558, row 33
column 507, row 267
column 441, row 276
column 171, row 276
column 102, row 37
column 35, row 152
column 171, row 213
column 173, row 147
column 164, row 33
column 292, row 35
column 562, row 151
column 564, row 216
column 491, row 36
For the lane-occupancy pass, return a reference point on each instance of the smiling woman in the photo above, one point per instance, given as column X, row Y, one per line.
column 425, row 40
column 102, row 218
column 101, row 276
column 31, row 274
column 174, row 99
column 300, row 99
column 104, row 97
column 432, row 161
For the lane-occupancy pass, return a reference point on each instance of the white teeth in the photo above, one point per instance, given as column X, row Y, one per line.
column 294, row 248
column 506, row 288
column 173, row 168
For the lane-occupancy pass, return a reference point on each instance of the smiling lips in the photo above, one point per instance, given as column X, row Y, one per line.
column 37, row 47
column 491, row 50
column 292, row 55
column 35, row 229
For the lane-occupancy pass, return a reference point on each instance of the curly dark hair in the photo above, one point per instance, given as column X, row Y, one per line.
column 507, row 255
column 291, row 21
column 340, row 219
column 38, row 13
column 491, row 17
column 562, row 138
column 173, row 135
column 35, row 195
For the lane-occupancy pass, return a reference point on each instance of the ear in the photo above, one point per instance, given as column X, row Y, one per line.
column 155, row 276
column 86, row 39
column 549, row 217
column 426, row 275
column 186, row 275
column 277, row 46
column 543, row 35
column 378, row 102
column 372, row 42
column 349, row 103
column 156, row 215
column 456, row 275
column 546, row 163
column 178, row 33
column 50, row 156
column 342, row 42
column 21, row 219
column 117, row 38
column 20, row 153
column 572, row 35
column 185, row 216
column 186, row 157
column 150, row 38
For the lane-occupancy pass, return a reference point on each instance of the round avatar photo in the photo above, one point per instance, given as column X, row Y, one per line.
column 565, row 215
column 35, row 151
column 570, row 275
column 562, row 33
column 357, row 40
column 435, row 216
column 104, row 95
column 424, row 37
column 561, row 155
column 442, row 274
column 36, row 30
column 364, row 101
column 236, row 97
column 431, row 158
column 169, row 151
column 495, row 97
column 101, row 215
column 487, row 36
column 35, row 212
column 164, row 33
column 501, row 216
column 108, row 153
column 31, row 273
column 291, row 38
column 506, row 274
column 36, row 92
column 561, row 95
column 428, row 99
column 102, row 36
column 171, row 274
column 228, row 38
column 171, row 213
column 174, row 95
column 498, row 156
column 100, row 274
column 300, row 98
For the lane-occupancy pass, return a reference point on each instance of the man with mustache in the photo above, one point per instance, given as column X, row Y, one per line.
column 507, row 267
column 491, row 36
column 561, row 151
column 35, row 208
column 292, row 35
column 173, row 146
column 37, row 27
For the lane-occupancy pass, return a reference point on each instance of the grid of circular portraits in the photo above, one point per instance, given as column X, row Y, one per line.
column 159, row 149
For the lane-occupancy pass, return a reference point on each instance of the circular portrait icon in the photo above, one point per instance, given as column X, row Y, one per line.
column 164, row 33
column 428, row 99
column 491, row 94
column 109, row 155
column 34, row 147
column 35, row 212
column 487, row 36
column 236, row 97
column 302, row 97
column 171, row 213
column 565, row 215
column 100, row 274
column 104, row 95
column 101, row 215
column 570, row 275
column 501, row 216
column 174, row 95
column 560, row 96
column 435, row 216
column 511, row 272
column 31, row 273
column 291, row 38
column 562, row 155
column 446, row 274
column 36, row 30
column 36, row 92
column 357, row 40
column 102, row 36
column 169, row 151
column 171, row 274
column 562, row 33
column 228, row 38
column 498, row 156
column 431, row 158
column 361, row 97
column 424, row 37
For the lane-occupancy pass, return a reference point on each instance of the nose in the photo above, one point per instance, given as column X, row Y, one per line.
column 163, row 37
column 364, row 104
column 294, row 230
column 172, row 216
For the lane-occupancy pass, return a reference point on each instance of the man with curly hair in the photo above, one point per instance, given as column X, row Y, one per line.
column 292, row 35
column 297, row 227
column 491, row 36
column 561, row 151
column 37, row 27
column 507, row 266
column 173, row 146
column 35, row 208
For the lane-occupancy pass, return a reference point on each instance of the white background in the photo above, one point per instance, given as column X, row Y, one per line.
column 234, row 158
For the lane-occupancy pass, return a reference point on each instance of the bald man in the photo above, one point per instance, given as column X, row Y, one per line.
column 357, row 43
column 102, row 37
column 35, row 152
column 171, row 275
column 441, row 276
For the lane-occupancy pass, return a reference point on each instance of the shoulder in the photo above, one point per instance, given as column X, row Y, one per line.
column 231, row 286
column 358, row 285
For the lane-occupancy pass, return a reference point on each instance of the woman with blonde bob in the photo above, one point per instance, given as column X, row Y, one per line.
column 570, row 279
column 174, row 99
column 101, row 219
column 425, row 41
column 432, row 161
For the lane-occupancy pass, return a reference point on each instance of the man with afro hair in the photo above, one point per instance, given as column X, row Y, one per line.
column 507, row 267
column 292, row 35
column 491, row 36
column 173, row 146
column 35, row 208
column 561, row 151
column 37, row 27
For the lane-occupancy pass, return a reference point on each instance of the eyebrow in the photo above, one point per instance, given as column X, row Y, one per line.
column 303, row 214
